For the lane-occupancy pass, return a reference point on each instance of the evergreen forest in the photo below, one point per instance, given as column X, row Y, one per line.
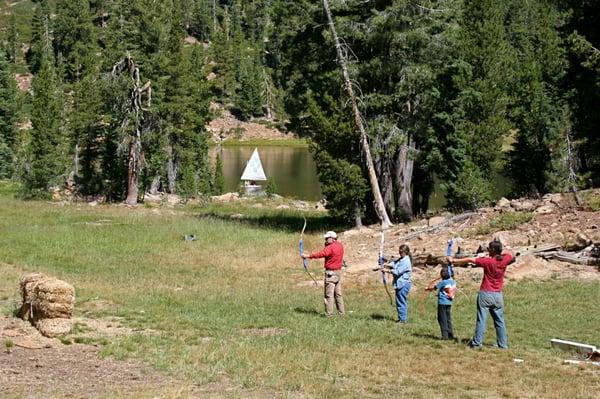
column 457, row 91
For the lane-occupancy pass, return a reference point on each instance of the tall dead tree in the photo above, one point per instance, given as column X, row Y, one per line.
column 132, row 123
column 341, row 59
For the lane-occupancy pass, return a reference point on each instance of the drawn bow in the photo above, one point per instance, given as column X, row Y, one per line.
column 381, row 262
column 301, row 248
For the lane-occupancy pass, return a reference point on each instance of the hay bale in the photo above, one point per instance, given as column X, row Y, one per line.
column 27, row 283
column 53, row 327
column 54, row 298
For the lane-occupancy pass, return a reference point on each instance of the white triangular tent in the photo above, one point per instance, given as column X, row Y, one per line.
column 253, row 172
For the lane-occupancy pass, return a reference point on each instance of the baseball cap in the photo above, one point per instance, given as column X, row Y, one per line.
column 330, row 234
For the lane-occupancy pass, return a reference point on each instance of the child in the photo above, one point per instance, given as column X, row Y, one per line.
column 446, row 290
column 402, row 272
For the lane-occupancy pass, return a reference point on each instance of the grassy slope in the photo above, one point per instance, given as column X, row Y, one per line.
column 202, row 297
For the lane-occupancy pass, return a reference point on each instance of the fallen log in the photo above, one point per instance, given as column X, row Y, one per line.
column 577, row 260
column 448, row 222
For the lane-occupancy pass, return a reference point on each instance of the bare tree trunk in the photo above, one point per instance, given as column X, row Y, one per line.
column 135, row 113
column 155, row 185
column 133, row 169
column 379, row 204
column 76, row 161
column 403, row 177
column 268, row 95
column 172, row 167
column 572, row 179
column 357, row 219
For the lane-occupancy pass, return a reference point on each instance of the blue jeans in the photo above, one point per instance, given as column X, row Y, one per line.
column 402, row 302
column 492, row 302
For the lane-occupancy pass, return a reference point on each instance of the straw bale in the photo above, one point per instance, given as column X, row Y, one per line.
column 54, row 286
column 53, row 298
column 53, row 327
column 50, row 310
column 28, row 283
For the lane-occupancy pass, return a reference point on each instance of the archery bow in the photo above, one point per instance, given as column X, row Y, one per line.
column 449, row 253
column 305, row 261
column 381, row 262
column 429, row 285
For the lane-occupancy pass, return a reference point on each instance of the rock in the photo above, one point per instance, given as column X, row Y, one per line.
column 227, row 197
column 93, row 203
column 321, row 206
column 173, row 199
column 505, row 237
column 545, row 209
column 153, row 198
column 525, row 205
column 258, row 205
column 236, row 216
column 556, row 199
column 583, row 240
column 283, row 206
column 434, row 221
column 486, row 209
column 502, row 203
column 300, row 205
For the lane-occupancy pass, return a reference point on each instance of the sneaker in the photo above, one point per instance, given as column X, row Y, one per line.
column 473, row 345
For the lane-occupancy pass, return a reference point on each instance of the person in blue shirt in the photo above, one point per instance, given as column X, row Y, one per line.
column 402, row 271
column 446, row 290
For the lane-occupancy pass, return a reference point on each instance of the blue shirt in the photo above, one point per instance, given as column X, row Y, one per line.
column 402, row 271
column 446, row 290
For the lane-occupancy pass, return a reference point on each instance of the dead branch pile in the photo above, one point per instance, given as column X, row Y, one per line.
column 48, row 303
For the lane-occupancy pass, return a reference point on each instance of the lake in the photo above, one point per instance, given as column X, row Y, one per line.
column 295, row 173
column 292, row 168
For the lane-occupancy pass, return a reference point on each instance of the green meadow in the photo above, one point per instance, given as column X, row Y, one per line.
column 233, row 307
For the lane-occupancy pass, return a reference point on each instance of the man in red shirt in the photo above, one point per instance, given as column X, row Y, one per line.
column 334, row 258
column 490, row 298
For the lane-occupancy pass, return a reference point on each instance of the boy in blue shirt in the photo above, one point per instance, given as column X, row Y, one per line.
column 446, row 290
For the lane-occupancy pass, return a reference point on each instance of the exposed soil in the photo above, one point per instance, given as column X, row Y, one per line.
column 227, row 126
column 34, row 366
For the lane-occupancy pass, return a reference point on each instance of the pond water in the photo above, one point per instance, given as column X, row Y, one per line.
column 292, row 169
column 295, row 174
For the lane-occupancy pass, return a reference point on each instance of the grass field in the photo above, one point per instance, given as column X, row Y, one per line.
column 229, row 307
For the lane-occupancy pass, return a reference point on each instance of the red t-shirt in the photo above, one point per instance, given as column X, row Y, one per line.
column 493, row 272
column 333, row 254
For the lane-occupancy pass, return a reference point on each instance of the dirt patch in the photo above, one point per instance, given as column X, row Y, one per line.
column 35, row 366
column 227, row 126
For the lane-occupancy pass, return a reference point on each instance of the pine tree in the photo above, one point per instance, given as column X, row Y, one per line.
column 46, row 166
column 13, row 40
column 218, row 185
column 249, row 90
column 8, row 118
column 41, row 36
column 75, row 38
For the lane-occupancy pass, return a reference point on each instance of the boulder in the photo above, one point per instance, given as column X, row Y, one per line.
column 502, row 203
column 524, row 205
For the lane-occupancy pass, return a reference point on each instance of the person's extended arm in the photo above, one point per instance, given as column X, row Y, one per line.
column 461, row 262
column 321, row 254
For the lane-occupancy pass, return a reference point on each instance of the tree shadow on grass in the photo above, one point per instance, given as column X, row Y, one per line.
column 381, row 317
column 284, row 221
column 307, row 311
column 426, row 336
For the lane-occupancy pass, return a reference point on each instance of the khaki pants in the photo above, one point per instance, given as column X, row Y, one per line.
column 333, row 290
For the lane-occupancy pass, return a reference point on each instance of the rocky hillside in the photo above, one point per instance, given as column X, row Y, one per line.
column 525, row 226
